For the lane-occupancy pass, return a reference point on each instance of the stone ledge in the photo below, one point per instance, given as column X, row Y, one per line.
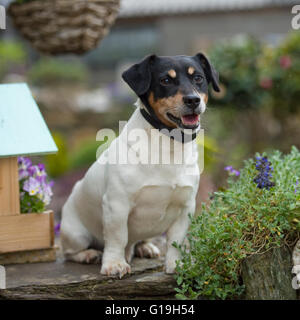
column 67, row 280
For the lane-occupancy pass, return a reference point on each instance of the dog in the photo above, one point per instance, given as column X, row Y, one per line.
column 117, row 207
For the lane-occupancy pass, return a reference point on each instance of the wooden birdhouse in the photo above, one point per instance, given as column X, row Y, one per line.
column 23, row 131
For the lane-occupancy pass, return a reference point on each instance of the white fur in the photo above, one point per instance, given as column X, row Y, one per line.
column 116, row 206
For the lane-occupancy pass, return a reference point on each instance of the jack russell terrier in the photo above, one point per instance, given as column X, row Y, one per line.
column 119, row 207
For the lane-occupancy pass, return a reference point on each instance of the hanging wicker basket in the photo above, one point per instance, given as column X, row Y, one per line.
column 64, row 26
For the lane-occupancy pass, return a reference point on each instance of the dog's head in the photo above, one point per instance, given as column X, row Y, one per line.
column 176, row 88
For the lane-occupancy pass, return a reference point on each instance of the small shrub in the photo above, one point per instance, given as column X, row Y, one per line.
column 280, row 75
column 259, row 210
column 54, row 72
column 12, row 56
column 237, row 64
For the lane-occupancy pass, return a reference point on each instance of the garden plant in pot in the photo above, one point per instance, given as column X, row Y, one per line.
column 241, row 243
column 64, row 26
column 27, row 231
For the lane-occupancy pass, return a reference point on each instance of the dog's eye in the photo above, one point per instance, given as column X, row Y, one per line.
column 165, row 81
column 198, row 79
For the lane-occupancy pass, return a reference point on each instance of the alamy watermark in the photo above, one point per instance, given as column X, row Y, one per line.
column 296, row 19
column 2, row 278
column 139, row 146
column 2, row 18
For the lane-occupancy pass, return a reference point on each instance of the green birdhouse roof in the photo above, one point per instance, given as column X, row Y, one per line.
column 23, row 130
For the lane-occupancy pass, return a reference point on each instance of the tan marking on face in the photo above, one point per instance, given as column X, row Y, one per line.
column 204, row 97
column 172, row 73
column 191, row 70
column 164, row 105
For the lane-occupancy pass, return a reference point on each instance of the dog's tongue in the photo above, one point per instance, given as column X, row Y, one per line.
column 190, row 119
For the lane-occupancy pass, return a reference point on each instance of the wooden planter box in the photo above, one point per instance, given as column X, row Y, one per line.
column 23, row 131
column 26, row 232
column 21, row 232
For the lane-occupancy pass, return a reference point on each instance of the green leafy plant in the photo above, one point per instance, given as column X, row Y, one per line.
column 54, row 72
column 247, row 67
column 12, row 56
column 259, row 210
column 237, row 64
column 280, row 75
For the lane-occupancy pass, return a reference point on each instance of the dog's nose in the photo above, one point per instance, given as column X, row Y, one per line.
column 191, row 101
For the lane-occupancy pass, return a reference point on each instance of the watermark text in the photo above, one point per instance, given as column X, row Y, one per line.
column 296, row 19
column 2, row 278
column 136, row 146
column 2, row 18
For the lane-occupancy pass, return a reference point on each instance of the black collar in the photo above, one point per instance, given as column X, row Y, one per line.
column 157, row 124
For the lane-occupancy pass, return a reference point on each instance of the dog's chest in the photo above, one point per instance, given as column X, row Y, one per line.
column 156, row 208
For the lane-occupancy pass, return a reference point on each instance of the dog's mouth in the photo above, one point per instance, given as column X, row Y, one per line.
column 189, row 121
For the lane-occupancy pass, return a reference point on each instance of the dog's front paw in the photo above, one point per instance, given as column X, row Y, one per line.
column 147, row 250
column 115, row 268
column 171, row 263
column 170, row 266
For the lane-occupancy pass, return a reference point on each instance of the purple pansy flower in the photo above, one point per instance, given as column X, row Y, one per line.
column 47, row 193
column 32, row 186
column 24, row 162
column 23, row 174
column 41, row 167
column 33, row 180
column 24, row 165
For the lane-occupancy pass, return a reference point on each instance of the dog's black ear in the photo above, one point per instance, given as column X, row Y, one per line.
column 138, row 77
column 211, row 74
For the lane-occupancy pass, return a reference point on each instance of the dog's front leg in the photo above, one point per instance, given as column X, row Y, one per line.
column 115, row 231
column 177, row 233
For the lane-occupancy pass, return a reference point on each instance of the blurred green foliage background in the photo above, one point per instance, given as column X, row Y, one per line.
column 257, row 109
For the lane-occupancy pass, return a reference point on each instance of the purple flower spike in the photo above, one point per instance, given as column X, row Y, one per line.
column 262, row 180
column 57, row 228
column 236, row 172
column 232, row 171
column 296, row 186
